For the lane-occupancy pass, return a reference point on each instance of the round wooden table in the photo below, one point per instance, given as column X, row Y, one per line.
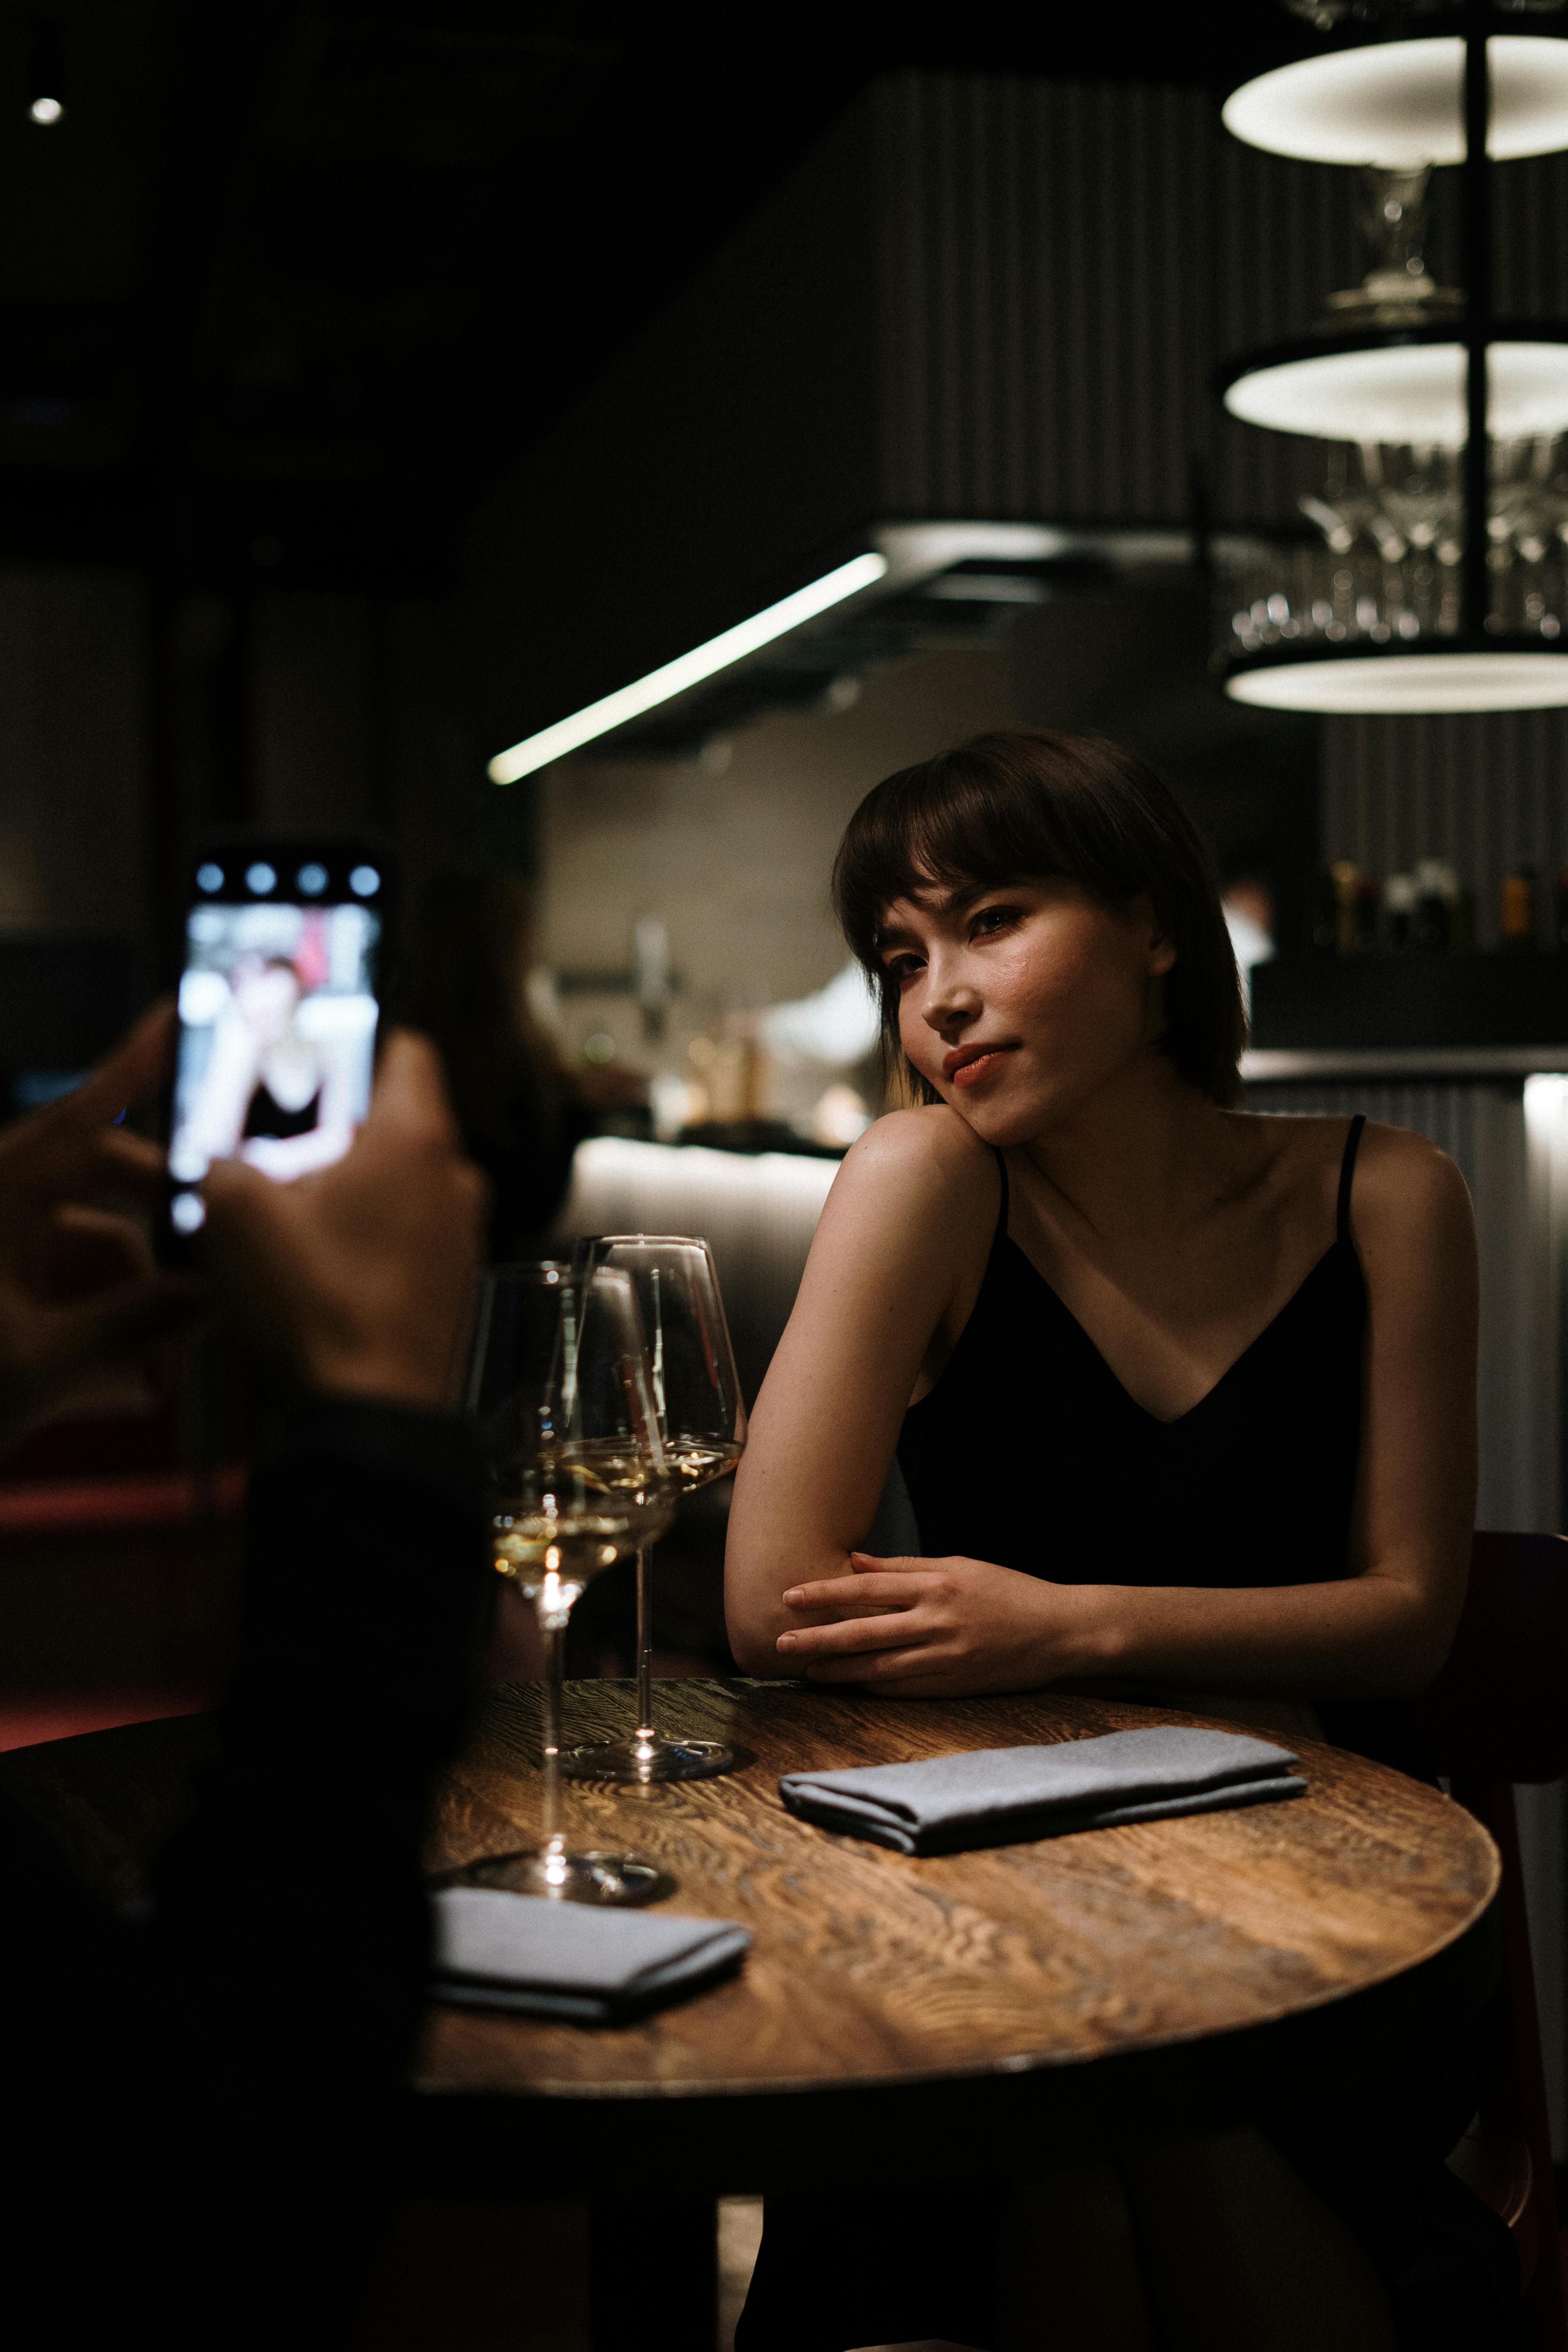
column 1027, row 1966
column 901, row 2018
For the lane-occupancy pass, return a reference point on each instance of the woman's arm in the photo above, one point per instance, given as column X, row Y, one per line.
column 897, row 1259
column 216, row 1119
column 958, row 1625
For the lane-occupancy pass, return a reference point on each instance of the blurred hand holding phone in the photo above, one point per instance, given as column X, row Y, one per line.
column 280, row 999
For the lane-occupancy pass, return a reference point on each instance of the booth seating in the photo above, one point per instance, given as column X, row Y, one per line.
column 118, row 1599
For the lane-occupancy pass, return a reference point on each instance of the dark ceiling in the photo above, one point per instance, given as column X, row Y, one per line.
column 290, row 278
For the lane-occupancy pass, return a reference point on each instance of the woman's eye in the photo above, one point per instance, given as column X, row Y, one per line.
column 994, row 918
column 902, row 968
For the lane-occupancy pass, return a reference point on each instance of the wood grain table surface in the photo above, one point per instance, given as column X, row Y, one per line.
column 1170, row 1962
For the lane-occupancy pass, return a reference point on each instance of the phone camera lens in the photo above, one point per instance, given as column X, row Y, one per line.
column 364, row 881
column 260, row 877
column 209, row 877
column 310, row 881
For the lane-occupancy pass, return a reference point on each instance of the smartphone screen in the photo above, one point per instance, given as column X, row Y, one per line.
column 278, row 1002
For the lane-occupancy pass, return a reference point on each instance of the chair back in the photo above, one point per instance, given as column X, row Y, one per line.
column 1499, row 1710
column 1497, row 1713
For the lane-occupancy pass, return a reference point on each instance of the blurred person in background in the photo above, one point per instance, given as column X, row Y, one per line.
column 204, row 2086
column 521, row 1111
column 1248, row 905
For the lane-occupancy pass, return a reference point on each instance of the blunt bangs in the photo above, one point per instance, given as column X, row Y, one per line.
column 1021, row 803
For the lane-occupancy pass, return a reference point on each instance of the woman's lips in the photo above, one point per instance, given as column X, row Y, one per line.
column 976, row 1066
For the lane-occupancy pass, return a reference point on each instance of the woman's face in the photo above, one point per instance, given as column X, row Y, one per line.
column 1019, row 1001
column 266, row 997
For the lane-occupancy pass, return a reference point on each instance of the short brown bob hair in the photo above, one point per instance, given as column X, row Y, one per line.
column 1020, row 803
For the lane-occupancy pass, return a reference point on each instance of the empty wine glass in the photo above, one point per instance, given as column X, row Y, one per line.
column 558, row 1384
column 703, row 1424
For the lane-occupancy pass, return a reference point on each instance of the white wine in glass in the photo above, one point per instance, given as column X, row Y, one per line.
column 702, row 1426
column 574, row 1460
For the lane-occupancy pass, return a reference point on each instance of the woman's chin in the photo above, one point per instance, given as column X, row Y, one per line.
column 998, row 1117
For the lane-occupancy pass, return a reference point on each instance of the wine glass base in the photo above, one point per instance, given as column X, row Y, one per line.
column 640, row 1762
column 613, row 1881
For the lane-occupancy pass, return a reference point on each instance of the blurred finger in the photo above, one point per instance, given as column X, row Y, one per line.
column 410, row 1089
column 90, row 1249
column 230, row 1184
column 138, row 1063
column 108, row 1329
column 133, row 1159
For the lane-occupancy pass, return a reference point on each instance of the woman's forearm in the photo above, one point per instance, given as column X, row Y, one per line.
column 1367, row 1636
column 754, row 1607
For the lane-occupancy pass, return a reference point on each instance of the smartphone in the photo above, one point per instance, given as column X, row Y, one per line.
column 281, row 978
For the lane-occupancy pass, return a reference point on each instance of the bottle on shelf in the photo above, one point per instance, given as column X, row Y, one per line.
column 1368, row 907
column 1437, row 892
column 1345, row 874
column 1516, row 929
column 1399, row 912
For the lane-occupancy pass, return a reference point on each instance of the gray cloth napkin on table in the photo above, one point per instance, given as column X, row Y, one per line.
column 1005, row 1796
column 496, row 1950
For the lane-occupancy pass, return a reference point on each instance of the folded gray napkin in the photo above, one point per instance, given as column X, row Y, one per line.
column 1004, row 1796
column 496, row 1950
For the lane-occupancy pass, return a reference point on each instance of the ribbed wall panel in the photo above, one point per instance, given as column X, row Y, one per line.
column 1489, row 793
column 1512, row 1145
column 1064, row 263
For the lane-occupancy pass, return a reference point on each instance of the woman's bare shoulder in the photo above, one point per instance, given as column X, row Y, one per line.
column 1405, row 1185
column 928, row 1147
column 927, row 1164
column 1319, row 1138
column 1401, row 1180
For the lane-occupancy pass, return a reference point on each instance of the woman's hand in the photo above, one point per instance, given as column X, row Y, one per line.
column 941, row 1628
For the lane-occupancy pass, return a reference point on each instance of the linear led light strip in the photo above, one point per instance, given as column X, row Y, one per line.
column 687, row 669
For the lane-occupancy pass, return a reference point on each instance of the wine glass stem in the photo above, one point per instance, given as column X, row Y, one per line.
column 644, row 1730
column 555, row 1854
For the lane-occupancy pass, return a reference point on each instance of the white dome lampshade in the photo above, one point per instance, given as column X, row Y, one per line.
column 1400, row 104
column 1406, row 684
column 1406, row 395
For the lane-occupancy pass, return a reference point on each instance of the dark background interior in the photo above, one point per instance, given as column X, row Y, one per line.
column 287, row 281
column 288, row 284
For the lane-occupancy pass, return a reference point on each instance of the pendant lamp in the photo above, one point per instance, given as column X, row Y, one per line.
column 1438, row 576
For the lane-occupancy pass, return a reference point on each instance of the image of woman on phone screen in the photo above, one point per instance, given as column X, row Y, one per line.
column 1183, row 1399
column 286, row 1073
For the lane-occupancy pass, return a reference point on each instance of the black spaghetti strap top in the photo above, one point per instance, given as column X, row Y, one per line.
column 266, row 1115
column 1029, row 1452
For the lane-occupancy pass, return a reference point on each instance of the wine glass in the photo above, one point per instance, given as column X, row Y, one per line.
column 703, row 1423
column 558, row 1384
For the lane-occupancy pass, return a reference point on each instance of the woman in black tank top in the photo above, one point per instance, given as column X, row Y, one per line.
column 1133, row 1499
column 1181, row 1397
